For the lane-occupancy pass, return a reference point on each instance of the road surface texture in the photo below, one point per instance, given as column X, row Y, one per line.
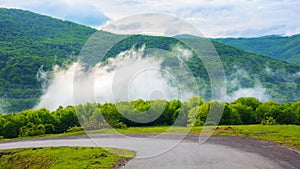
column 171, row 152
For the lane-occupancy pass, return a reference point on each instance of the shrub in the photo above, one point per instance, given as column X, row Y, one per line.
column 198, row 122
column 32, row 130
column 10, row 130
column 268, row 121
column 120, row 125
column 49, row 128
column 75, row 129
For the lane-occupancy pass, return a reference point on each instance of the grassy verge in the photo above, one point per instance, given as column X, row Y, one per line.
column 288, row 135
column 64, row 157
column 44, row 136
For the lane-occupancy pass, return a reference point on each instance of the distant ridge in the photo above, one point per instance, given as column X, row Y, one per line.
column 185, row 36
column 285, row 48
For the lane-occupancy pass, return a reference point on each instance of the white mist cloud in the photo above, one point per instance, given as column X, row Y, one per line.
column 3, row 104
column 258, row 91
column 59, row 93
column 129, row 76
column 237, row 89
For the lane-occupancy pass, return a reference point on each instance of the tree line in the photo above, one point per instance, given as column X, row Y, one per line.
column 194, row 112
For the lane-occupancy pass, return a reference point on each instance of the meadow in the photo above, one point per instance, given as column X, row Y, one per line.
column 287, row 135
column 64, row 157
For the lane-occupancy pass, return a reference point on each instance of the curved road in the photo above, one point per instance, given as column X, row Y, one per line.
column 171, row 152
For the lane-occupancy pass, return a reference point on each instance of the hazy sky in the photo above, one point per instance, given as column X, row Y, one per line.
column 214, row 18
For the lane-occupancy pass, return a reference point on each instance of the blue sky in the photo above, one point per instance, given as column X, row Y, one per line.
column 214, row 18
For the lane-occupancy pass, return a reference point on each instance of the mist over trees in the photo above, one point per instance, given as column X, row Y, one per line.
column 92, row 116
column 33, row 44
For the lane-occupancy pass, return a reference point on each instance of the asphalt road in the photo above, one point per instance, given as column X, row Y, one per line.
column 172, row 152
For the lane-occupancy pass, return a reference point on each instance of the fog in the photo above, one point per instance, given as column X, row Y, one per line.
column 241, row 84
column 137, row 74
column 130, row 75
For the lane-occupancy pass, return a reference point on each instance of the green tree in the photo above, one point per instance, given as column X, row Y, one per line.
column 67, row 118
column 230, row 117
column 111, row 114
column 10, row 130
column 246, row 113
column 49, row 128
column 249, row 101
column 197, row 115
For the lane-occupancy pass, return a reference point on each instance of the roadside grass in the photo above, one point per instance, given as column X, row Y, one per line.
column 64, row 157
column 288, row 135
column 45, row 136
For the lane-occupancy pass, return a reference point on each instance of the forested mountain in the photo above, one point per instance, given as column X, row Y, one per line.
column 31, row 43
column 242, row 69
column 27, row 42
column 278, row 47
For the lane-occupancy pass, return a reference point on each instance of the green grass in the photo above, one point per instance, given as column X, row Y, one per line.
column 45, row 136
column 64, row 157
column 288, row 135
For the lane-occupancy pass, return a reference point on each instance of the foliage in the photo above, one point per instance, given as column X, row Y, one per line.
column 121, row 115
column 268, row 121
column 32, row 43
column 282, row 134
column 32, row 130
column 277, row 47
column 58, row 157
column 75, row 129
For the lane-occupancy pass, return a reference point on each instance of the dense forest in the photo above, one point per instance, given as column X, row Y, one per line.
column 147, row 113
column 32, row 43
column 28, row 42
column 277, row 47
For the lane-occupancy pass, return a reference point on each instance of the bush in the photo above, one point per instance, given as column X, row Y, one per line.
column 120, row 125
column 198, row 122
column 49, row 128
column 10, row 130
column 32, row 130
column 75, row 129
column 40, row 129
column 268, row 121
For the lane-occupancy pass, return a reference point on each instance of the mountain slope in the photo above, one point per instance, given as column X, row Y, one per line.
column 32, row 43
column 27, row 42
column 243, row 70
column 277, row 47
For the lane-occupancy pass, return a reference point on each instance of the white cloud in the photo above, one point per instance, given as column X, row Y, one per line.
column 214, row 18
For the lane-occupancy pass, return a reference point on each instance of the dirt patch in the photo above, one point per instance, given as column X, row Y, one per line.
column 225, row 130
column 122, row 162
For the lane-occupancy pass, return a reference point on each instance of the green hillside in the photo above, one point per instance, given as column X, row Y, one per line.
column 277, row 47
column 280, row 78
column 27, row 42
column 31, row 42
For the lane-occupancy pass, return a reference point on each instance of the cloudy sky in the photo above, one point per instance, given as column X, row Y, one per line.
column 214, row 18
